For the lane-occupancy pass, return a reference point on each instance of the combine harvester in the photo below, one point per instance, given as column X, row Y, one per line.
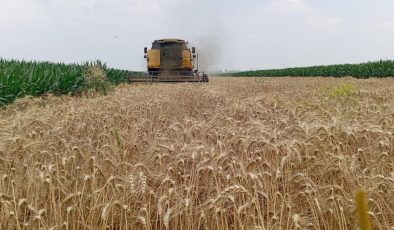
column 170, row 60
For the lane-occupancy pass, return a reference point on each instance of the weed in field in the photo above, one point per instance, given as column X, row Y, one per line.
column 96, row 79
column 344, row 90
column 346, row 94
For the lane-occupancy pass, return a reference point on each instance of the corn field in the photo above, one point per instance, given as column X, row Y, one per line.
column 22, row 78
column 237, row 153
column 377, row 69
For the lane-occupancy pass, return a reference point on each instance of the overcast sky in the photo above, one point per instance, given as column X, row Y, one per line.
column 228, row 34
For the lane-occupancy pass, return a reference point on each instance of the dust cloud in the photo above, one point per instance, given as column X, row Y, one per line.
column 209, row 51
column 204, row 29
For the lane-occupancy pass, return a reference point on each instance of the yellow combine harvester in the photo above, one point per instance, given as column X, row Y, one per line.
column 171, row 60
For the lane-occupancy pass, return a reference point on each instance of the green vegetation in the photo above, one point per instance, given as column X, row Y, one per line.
column 345, row 93
column 364, row 70
column 21, row 78
column 344, row 90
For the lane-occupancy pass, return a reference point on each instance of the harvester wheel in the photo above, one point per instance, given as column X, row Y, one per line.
column 205, row 78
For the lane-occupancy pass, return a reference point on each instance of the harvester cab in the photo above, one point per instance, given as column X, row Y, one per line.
column 171, row 60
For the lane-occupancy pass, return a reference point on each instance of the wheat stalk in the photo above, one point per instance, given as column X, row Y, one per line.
column 231, row 154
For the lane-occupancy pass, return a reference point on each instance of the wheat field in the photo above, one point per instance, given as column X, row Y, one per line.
column 235, row 153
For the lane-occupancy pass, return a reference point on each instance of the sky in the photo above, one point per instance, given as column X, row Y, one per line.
column 228, row 34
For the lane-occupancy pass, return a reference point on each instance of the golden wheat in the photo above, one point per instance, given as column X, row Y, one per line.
column 237, row 153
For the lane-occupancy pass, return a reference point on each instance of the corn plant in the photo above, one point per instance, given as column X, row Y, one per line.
column 21, row 78
column 382, row 68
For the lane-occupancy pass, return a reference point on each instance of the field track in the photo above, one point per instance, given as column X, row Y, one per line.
column 235, row 153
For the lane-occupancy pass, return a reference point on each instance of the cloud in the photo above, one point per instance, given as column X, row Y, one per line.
column 306, row 13
column 288, row 6
column 227, row 33
column 17, row 12
column 147, row 6
column 324, row 22
column 386, row 25
column 75, row 4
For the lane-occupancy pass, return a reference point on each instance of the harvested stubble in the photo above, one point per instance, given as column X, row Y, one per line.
column 232, row 154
